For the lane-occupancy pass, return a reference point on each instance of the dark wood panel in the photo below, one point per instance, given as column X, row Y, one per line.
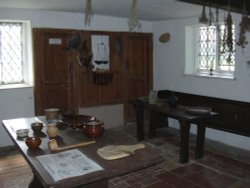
column 88, row 93
column 112, row 93
column 235, row 5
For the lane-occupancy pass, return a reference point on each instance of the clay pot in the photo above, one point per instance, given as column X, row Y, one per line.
column 93, row 129
column 33, row 142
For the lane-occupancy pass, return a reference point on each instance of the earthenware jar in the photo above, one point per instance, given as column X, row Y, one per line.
column 93, row 129
column 52, row 130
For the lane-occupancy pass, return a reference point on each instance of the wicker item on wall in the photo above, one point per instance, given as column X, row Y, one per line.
column 102, row 77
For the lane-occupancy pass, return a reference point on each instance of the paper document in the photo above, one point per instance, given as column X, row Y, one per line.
column 68, row 164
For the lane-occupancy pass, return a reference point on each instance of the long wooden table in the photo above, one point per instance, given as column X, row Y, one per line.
column 184, row 118
column 67, row 136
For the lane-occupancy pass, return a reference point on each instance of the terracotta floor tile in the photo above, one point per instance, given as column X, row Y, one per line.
column 220, row 181
column 187, row 170
column 208, row 173
column 201, row 180
column 167, row 177
column 160, row 185
column 181, row 183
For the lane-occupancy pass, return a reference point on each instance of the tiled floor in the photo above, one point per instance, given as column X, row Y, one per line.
column 221, row 167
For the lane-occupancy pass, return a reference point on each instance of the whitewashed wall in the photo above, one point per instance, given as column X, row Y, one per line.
column 15, row 103
column 169, row 64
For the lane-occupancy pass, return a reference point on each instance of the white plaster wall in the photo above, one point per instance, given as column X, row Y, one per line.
column 15, row 103
column 111, row 115
column 169, row 64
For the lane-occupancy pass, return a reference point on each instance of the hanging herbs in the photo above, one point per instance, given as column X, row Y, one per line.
column 228, row 40
column 133, row 21
column 228, row 34
column 244, row 26
column 211, row 17
column 203, row 18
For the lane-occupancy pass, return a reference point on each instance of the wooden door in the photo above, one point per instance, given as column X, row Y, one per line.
column 137, row 69
column 54, row 67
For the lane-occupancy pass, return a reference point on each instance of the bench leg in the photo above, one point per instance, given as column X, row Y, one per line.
column 200, row 141
column 184, row 133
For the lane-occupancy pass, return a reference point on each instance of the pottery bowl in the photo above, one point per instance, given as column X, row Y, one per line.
column 21, row 133
column 37, row 127
column 33, row 142
column 93, row 129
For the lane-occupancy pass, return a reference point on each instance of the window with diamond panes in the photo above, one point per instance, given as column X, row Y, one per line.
column 11, row 54
column 212, row 53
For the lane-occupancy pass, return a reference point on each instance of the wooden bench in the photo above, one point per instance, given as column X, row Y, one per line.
column 233, row 116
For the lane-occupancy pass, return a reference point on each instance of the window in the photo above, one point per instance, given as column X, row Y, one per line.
column 15, row 61
column 206, row 53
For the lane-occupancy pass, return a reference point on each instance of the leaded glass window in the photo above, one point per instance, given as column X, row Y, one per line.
column 11, row 53
column 212, row 53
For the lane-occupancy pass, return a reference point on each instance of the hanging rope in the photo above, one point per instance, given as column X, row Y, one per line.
column 88, row 12
column 133, row 22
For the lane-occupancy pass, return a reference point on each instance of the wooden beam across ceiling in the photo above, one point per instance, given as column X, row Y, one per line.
column 235, row 5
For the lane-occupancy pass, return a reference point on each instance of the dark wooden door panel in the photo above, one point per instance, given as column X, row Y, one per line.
column 55, row 96
column 54, row 71
column 137, row 70
column 112, row 93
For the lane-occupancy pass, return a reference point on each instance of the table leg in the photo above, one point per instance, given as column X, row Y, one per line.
column 35, row 182
column 200, row 141
column 184, row 134
column 140, row 123
column 98, row 184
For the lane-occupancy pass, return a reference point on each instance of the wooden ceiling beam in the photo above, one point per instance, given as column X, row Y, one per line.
column 235, row 5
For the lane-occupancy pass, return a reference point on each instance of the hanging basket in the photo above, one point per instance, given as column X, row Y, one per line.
column 102, row 77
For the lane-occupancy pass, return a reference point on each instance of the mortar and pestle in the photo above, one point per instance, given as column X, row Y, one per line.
column 53, row 146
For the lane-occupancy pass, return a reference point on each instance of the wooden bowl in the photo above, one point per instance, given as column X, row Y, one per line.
column 37, row 127
column 22, row 133
column 33, row 142
column 93, row 129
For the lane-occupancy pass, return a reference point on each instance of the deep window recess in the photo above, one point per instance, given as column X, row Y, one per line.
column 13, row 53
column 211, row 55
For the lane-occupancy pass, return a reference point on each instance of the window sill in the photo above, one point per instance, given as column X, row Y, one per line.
column 15, row 86
column 205, row 75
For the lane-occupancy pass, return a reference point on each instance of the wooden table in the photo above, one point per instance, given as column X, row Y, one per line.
column 69, row 136
column 184, row 118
